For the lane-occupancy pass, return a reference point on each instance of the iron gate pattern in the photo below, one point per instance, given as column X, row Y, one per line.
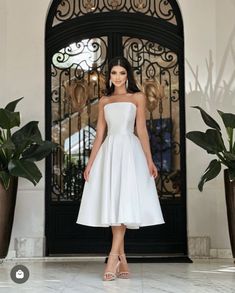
column 77, row 84
column 156, row 69
column 69, row 9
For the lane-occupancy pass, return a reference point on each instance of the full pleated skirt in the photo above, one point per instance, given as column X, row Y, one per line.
column 120, row 189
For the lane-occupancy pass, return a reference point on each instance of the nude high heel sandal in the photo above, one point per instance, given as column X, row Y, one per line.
column 123, row 274
column 110, row 276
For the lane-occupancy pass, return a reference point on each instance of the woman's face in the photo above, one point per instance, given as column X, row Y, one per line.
column 118, row 75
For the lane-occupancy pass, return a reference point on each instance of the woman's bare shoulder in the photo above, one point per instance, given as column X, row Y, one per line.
column 139, row 98
column 139, row 95
column 103, row 100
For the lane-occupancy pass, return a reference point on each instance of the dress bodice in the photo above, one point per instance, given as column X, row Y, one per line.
column 120, row 117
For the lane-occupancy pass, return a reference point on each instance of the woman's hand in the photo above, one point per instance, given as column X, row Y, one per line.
column 153, row 169
column 87, row 172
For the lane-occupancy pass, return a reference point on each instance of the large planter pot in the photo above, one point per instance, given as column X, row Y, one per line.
column 7, row 210
column 230, row 203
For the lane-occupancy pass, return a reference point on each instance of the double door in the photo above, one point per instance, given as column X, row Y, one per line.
column 75, row 81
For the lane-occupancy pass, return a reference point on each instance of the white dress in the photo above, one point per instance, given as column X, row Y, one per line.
column 120, row 189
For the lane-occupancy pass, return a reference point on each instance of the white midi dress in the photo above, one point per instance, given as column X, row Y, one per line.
column 120, row 189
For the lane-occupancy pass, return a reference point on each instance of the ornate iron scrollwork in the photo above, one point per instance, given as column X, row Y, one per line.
column 156, row 71
column 68, row 9
column 77, row 75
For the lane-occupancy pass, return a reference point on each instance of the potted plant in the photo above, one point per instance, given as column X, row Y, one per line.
column 18, row 153
column 213, row 142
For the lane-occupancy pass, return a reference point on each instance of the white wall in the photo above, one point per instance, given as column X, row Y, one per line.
column 208, row 26
column 22, row 74
column 225, row 74
column 2, row 48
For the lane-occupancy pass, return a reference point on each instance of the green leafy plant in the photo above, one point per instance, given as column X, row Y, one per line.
column 19, row 151
column 213, row 142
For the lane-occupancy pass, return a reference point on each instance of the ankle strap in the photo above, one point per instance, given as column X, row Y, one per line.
column 113, row 253
column 122, row 254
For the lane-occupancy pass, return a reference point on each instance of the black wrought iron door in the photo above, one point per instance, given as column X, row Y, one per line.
column 75, row 72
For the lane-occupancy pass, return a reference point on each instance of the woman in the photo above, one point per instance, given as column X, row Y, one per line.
column 120, row 189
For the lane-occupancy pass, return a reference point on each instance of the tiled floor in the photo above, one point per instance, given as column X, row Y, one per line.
column 63, row 275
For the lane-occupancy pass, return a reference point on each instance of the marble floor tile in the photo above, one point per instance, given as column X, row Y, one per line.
column 85, row 276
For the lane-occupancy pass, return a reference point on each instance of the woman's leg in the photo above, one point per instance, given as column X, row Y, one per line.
column 118, row 238
column 123, row 265
column 121, row 249
column 117, row 246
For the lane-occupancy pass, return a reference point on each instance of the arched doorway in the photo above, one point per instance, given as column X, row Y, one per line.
column 81, row 37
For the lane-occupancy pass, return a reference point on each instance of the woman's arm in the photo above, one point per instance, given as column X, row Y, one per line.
column 143, row 133
column 100, row 130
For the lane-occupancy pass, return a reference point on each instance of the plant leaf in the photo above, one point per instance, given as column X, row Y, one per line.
column 26, row 135
column 207, row 118
column 3, row 159
column 38, row 152
column 210, row 173
column 5, row 179
column 229, row 156
column 9, row 119
column 228, row 119
column 8, row 145
column 1, row 136
column 25, row 169
column 211, row 140
column 6, row 151
column 11, row 106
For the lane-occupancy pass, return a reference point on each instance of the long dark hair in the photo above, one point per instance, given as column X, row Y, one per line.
column 122, row 61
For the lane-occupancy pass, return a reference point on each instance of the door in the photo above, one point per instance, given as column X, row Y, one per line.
column 75, row 72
